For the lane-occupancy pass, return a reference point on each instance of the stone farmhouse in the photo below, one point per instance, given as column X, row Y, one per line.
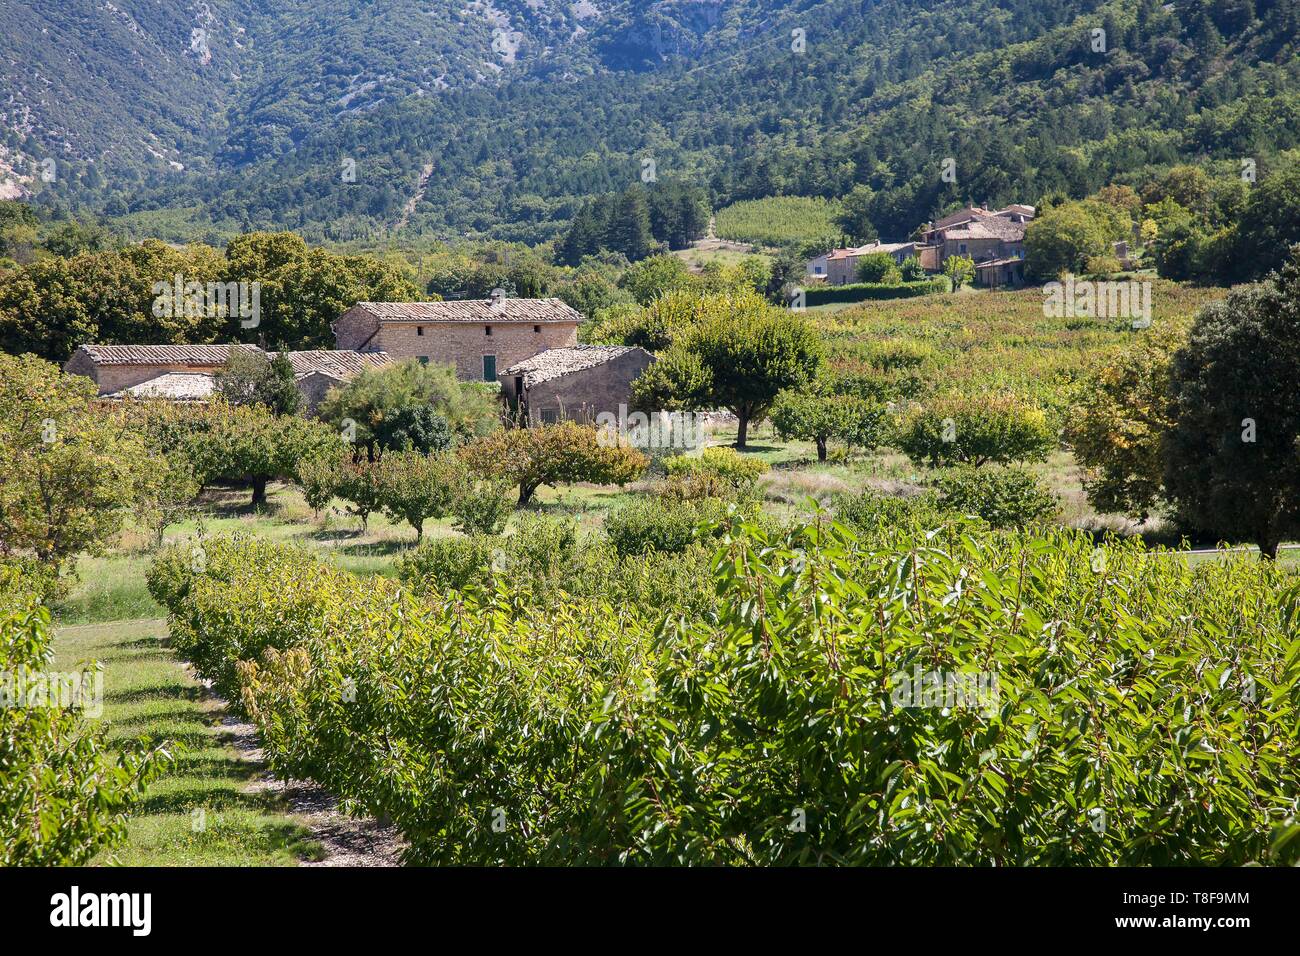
column 528, row 346
column 477, row 336
column 994, row 239
column 578, row 382
column 185, row 373
column 842, row 264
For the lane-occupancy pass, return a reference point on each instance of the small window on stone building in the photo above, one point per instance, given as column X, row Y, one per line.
column 550, row 416
column 487, row 330
column 419, row 330
column 424, row 360
column 537, row 328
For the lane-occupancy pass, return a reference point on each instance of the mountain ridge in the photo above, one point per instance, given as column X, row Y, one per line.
column 713, row 91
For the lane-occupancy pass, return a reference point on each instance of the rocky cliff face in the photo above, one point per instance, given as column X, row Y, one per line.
column 664, row 30
column 174, row 85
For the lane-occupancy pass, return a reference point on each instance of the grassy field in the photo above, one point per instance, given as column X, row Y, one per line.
column 202, row 811
column 697, row 258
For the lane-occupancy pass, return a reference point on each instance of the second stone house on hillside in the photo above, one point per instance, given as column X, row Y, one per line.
column 479, row 337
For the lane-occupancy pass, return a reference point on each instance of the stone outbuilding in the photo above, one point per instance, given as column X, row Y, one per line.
column 117, row 368
column 187, row 373
column 479, row 337
column 576, row 383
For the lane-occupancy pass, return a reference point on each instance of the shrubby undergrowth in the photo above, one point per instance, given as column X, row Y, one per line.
column 1136, row 710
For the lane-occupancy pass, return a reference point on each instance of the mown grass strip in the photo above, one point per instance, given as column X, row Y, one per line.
column 202, row 812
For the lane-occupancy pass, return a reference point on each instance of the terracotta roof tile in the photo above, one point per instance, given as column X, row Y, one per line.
column 474, row 310
column 161, row 354
column 340, row 363
column 553, row 363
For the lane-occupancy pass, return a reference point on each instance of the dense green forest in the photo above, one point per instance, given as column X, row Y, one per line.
column 867, row 102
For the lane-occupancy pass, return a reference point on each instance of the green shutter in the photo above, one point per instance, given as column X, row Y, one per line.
column 489, row 368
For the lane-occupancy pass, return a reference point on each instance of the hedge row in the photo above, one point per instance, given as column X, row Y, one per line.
column 872, row 291
column 1143, row 712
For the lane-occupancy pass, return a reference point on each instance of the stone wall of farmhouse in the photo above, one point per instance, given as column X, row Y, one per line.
column 114, row 378
column 353, row 328
column 583, row 395
column 977, row 249
column 315, row 387
column 463, row 344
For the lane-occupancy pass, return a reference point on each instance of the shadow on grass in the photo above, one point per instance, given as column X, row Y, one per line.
column 211, row 800
column 150, row 717
column 326, row 535
column 377, row 549
column 213, row 766
column 137, row 656
column 163, row 640
column 177, row 691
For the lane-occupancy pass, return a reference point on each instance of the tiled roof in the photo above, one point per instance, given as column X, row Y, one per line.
column 340, row 363
column 474, row 310
column 965, row 214
column 890, row 247
column 1003, row 229
column 161, row 354
column 176, row 386
column 553, row 363
column 997, row 262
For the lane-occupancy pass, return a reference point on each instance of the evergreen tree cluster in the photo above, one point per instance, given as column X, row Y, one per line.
column 637, row 222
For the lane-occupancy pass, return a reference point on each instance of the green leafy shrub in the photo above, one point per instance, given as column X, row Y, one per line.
column 878, row 267
column 1004, row 497
column 187, row 579
column 975, row 430
column 413, row 428
column 869, row 512
column 64, row 795
column 725, row 464
column 451, row 564
column 650, row 524
column 482, row 507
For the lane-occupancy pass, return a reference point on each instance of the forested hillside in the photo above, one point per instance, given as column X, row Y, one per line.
column 342, row 119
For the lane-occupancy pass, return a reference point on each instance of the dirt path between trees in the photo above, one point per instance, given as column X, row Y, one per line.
column 346, row 840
